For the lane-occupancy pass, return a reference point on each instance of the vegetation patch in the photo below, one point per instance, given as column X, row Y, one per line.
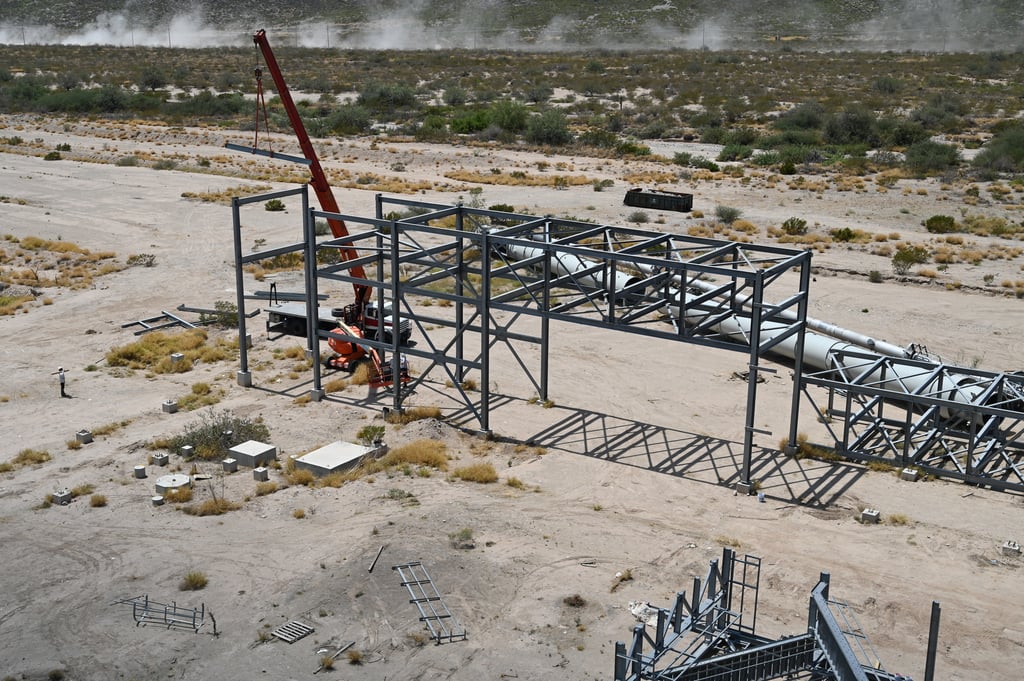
column 413, row 414
column 194, row 580
column 477, row 472
column 155, row 351
column 26, row 457
column 46, row 263
column 216, row 432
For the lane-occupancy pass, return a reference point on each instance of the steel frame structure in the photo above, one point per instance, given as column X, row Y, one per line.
column 946, row 421
column 709, row 637
column 484, row 262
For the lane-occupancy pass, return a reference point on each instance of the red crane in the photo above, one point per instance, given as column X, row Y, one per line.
column 353, row 321
column 321, row 187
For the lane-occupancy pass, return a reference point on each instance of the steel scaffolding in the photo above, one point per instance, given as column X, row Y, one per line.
column 708, row 636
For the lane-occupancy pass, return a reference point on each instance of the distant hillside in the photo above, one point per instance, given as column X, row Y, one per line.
column 926, row 25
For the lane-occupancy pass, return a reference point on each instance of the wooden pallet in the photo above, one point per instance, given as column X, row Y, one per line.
column 290, row 632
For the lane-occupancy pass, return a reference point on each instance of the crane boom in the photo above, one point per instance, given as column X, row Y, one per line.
column 321, row 187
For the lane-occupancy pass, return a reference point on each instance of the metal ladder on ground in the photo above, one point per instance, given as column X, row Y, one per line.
column 433, row 612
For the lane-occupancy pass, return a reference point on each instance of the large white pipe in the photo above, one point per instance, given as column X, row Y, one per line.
column 566, row 264
column 859, row 339
column 826, row 353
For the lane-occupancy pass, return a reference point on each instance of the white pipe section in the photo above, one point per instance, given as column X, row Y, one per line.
column 824, row 353
column 566, row 264
column 881, row 347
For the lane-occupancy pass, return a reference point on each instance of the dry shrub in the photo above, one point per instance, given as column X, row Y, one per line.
column 299, row 513
column 515, row 483
column 362, row 374
column 97, row 501
column 178, row 495
column 212, row 507
column 82, row 490
column 153, row 351
column 354, row 656
column 335, row 385
column 194, row 580
column 29, row 457
column 477, row 472
column 109, row 428
column 265, row 488
column 300, row 476
column 417, row 453
column 414, row 414
column 521, row 179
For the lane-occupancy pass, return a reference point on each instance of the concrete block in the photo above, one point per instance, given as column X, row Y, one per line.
column 188, row 451
column 1011, row 548
column 170, row 406
column 61, row 497
column 744, row 487
column 334, row 457
column 230, row 465
column 253, row 454
column 260, row 474
column 158, row 500
column 870, row 515
column 160, row 459
column 909, row 474
column 84, row 437
column 177, row 357
column 140, row 472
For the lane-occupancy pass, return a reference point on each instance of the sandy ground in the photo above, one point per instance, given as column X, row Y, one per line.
column 631, row 469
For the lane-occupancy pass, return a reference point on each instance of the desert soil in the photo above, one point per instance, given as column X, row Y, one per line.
column 631, row 469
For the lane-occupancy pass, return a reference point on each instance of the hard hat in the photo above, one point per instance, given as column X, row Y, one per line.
column 60, row 368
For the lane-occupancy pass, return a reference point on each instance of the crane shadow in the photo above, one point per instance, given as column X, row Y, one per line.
column 697, row 457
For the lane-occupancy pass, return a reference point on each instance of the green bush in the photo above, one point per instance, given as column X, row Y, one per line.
column 684, row 158
column 467, row 122
column 795, row 226
column 927, row 156
column 510, row 116
column 734, row 152
column 854, row 125
column 809, row 116
column 350, row 119
column 52, row 156
column 728, row 214
column 387, row 98
column 274, row 205
column 216, row 432
column 548, row 128
column 433, row 129
column 940, row 224
column 908, row 255
column 1004, row 153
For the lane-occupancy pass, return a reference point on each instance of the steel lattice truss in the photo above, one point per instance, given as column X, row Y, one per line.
column 947, row 421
